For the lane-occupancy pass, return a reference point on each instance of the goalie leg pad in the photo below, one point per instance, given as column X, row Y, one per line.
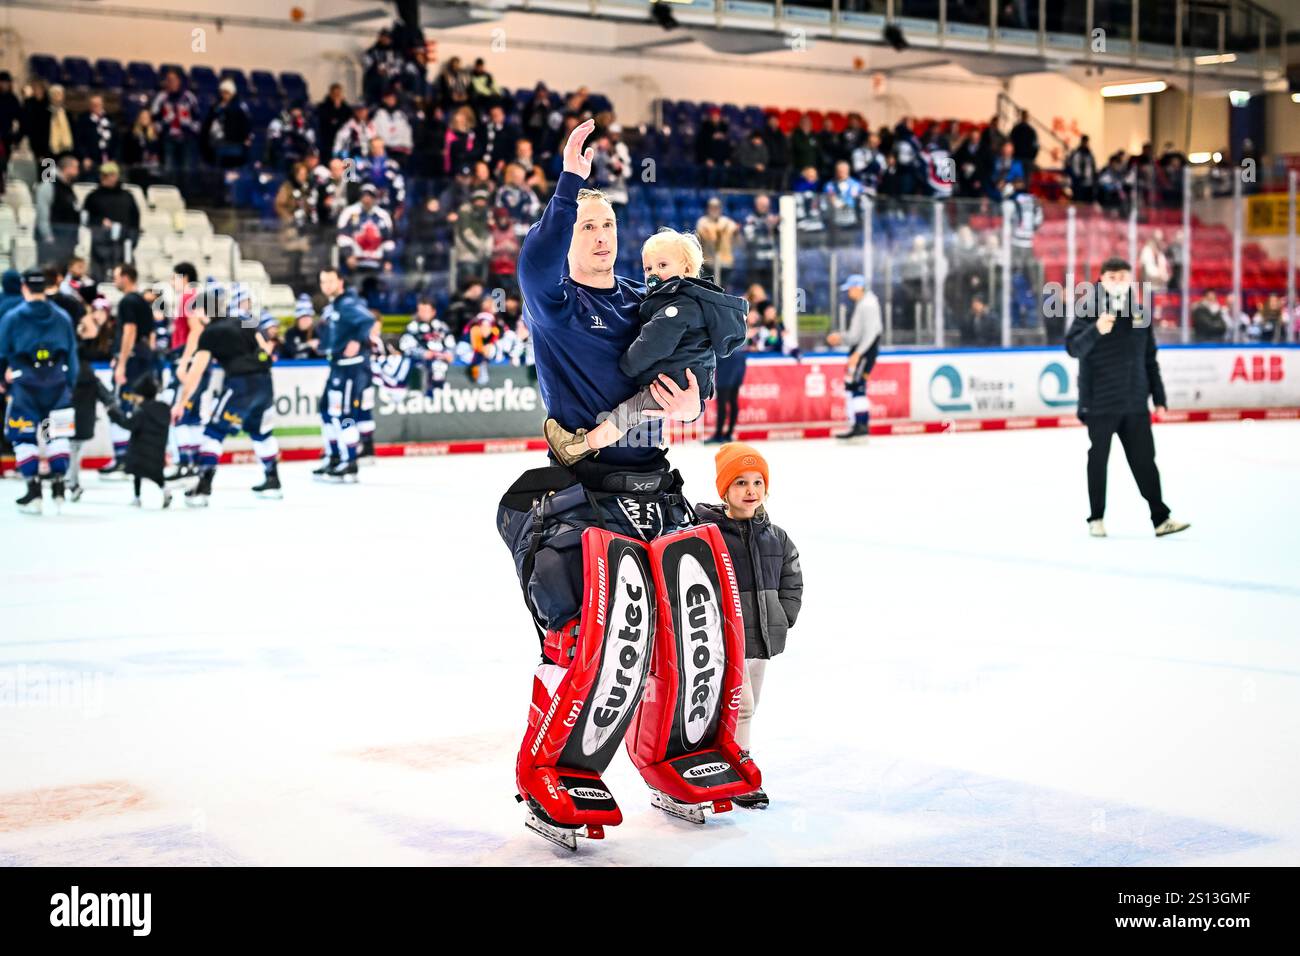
column 584, row 702
column 684, row 738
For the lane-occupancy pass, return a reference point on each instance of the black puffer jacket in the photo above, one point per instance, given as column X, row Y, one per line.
column 1117, row 371
column 768, row 575
column 148, row 426
column 685, row 323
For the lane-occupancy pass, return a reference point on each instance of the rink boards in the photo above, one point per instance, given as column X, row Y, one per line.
column 783, row 397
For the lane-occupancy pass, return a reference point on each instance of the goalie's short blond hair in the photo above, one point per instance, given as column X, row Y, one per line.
column 683, row 244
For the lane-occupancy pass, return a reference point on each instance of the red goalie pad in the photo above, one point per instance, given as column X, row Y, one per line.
column 584, row 703
column 683, row 739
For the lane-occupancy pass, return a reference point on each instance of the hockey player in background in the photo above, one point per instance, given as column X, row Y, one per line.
column 352, row 330
column 863, row 342
column 428, row 342
column 246, row 398
column 188, row 322
column 134, row 358
column 38, row 360
column 375, row 351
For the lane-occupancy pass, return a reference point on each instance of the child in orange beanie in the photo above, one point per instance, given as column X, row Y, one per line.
column 768, row 574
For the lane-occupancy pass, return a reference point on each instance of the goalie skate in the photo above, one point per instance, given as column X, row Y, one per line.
column 561, row 836
column 690, row 812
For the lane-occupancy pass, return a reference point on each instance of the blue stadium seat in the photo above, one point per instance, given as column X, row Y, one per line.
column 110, row 73
column 240, row 81
column 46, row 67
column 203, row 81
column 261, row 112
column 294, row 86
column 264, row 84
column 141, row 76
column 77, row 72
column 132, row 103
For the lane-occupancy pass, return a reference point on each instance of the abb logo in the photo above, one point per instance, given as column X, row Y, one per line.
column 1260, row 368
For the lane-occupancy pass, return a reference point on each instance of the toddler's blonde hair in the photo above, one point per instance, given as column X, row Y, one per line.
column 684, row 244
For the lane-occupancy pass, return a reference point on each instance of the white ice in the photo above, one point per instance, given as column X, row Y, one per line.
column 342, row 677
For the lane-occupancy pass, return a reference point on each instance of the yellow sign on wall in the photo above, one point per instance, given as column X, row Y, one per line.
column 1266, row 215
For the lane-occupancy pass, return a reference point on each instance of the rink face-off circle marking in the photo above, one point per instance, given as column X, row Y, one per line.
column 58, row 805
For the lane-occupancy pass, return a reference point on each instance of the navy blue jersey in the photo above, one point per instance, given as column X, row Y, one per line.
column 579, row 333
column 347, row 320
column 37, row 341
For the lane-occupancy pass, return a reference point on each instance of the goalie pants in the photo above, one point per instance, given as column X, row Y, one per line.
column 643, row 643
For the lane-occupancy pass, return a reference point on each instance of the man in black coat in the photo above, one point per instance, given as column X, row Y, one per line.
column 113, row 218
column 1118, row 372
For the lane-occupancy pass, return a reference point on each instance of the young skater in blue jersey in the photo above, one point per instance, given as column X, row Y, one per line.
column 352, row 328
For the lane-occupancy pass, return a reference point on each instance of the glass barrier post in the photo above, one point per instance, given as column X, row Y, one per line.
column 889, row 300
column 789, row 266
column 868, row 261
column 1133, row 235
column 1238, row 306
column 940, row 274
column 1006, row 273
column 1070, row 264
column 1289, row 326
column 1185, row 276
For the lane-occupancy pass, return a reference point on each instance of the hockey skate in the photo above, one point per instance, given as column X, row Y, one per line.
column 343, row 471
column 182, row 472
column 366, row 456
column 857, row 434
column 558, row 833
column 57, row 494
column 690, row 812
column 75, row 492
column 755, row 800
column 115, row 470
column 197, row 497
column 326, row 466
column 270, row 487
column 30, row 503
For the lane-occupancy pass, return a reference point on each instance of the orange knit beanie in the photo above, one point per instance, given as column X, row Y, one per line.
column 734, row 458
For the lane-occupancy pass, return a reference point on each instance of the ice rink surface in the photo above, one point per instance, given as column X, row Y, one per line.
column 342, row 677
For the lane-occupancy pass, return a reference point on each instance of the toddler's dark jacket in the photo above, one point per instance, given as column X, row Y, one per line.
column 686, row 323
column 768, row 575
